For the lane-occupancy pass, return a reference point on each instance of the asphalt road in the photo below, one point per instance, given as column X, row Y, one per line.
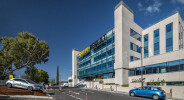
column 86, row 94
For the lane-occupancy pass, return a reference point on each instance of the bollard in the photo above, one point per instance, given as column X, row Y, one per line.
column 86, row 96
column 171, row 92
column 60, row 88
column 111, row 88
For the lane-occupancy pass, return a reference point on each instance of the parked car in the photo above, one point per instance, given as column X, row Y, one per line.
column 65, row 84
column 23, row 83
column 148, row 91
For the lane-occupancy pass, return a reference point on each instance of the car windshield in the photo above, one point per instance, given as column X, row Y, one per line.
column 159, row 88
column 31, row 82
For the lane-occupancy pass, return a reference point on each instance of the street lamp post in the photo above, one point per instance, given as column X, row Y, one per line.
column 141, row 67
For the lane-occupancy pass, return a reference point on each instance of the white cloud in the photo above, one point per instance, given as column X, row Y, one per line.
column 139, row 4
column 177, row 1
column 153, row 8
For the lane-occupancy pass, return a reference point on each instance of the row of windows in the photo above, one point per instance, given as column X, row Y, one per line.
column 103, row 55
column 135, row 35
column 158, row 68
column 108, row 42
column 169, row 41
column 132, row 58
column 135, row 47
column 85, row 56
column 102, row 68
column 85, row 63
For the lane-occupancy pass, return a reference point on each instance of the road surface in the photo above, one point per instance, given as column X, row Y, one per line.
column 87, row 94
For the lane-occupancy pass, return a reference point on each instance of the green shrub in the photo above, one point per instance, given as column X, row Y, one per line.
column 101, row 82
column 125, row 85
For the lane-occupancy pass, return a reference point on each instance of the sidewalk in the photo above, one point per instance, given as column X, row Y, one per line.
column 121, row 92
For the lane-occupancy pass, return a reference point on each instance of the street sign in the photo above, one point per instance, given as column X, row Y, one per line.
column 10, row 76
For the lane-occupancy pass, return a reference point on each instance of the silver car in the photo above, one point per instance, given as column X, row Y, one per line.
column 23, row 83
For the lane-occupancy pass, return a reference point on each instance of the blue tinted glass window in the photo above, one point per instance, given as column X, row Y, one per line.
column 146, row 51
column 135, row 47
column 173, row 66
column 135, row 35
column 156, row 42
column 132, row 72
column 169, row 37
column 149, row 69
column 181, row 64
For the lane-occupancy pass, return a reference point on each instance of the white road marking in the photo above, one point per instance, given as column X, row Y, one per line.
column 74, row 92
column 87, row 91
column 73, row 96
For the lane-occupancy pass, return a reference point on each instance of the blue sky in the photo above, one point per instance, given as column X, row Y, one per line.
column 68, row 24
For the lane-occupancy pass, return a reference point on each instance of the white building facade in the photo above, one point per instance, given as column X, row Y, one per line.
column 116, row 57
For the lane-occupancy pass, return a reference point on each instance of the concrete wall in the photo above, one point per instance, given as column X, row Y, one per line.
column 109, row 80
column 166, row 57
column 74, row 66
column 172, row 76
column 162, row 27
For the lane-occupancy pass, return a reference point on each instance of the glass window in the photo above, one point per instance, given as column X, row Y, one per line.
column 173, row 66
column 149, row 69
column 146, row 51
column 156, row 42
column 135, row 35
column 156, row 68
column 135, row 47
column 162, row 68
column 169, row 37
column 138, row 71
column 177, row 83
column 132, row 72
column 180, row 36
column 181, row 64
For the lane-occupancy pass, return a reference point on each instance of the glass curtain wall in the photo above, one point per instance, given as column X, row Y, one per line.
column 99, row 61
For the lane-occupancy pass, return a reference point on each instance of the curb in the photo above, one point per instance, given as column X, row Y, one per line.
column 26, row 96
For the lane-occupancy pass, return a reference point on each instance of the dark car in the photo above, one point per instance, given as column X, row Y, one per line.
column 148, row 91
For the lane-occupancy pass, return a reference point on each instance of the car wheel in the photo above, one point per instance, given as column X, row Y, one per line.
column 155, row 97
column 30, row 88
column 132, row 94
column 9, row 85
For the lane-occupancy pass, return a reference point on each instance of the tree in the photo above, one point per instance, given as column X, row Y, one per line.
column 25, row 50
column 43, row 76
column 36, row 75
column 57, row 76
column 32, row 74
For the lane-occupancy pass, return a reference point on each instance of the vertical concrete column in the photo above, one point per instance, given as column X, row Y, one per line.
column 75, row 52
column 123, row 18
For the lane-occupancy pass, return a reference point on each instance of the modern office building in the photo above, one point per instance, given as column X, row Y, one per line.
column 127, row 51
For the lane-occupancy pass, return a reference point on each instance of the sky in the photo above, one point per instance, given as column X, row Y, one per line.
column 69, row 24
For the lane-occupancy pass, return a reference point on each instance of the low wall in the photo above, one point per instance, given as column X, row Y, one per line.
column 109, row 80
column 3, row 82
column 177, row 91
